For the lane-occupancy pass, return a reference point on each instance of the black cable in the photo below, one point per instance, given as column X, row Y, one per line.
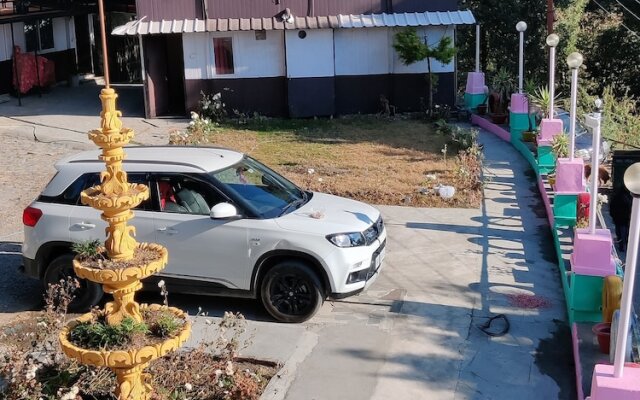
column 485, row 327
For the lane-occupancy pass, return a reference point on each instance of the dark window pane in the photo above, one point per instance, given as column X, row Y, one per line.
column 31, row 36
column 46, row 34
column 223, row 50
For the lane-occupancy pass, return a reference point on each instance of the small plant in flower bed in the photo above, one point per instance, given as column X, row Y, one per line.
column 97, row 334
column 93, row 255
column 33, row 367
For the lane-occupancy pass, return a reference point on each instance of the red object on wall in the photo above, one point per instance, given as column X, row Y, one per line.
column 584, row 200
column 27, row 76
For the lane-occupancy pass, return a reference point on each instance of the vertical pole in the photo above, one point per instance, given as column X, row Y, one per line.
column 103, row 34
column 521, row 64
column 15, row 64
column 595, row 165
column 35, row 54
column 92, row 41
column 572, row 120
column 550, row 14
column 552, row 78
column 627, row 289
column 477, row 47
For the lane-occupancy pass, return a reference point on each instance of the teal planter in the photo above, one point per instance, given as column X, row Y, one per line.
column 585, row 298
column 472, row 101
column 565, row 209
column 520, row 122
column 546, row 160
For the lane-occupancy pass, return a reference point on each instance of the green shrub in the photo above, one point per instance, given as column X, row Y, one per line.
column 100, row 335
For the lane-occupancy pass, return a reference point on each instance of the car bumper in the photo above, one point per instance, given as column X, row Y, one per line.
column 30, row 268
column 369, row 267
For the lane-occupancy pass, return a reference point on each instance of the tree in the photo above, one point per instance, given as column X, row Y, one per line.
column 412, row 49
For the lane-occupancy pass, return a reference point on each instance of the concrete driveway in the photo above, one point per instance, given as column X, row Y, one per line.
column 415, row 333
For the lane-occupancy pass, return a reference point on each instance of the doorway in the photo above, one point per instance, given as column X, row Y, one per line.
column 164, row 66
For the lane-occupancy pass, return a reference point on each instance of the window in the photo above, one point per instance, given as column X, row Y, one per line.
column 180, row 194
column 72, row 194
column 223, row 51
column 39, row 34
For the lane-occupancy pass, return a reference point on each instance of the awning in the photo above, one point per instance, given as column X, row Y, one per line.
column 430, row 18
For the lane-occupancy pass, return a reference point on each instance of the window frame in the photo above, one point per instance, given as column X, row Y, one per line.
column 157, row 176
column 223, row 70
column 38, row 35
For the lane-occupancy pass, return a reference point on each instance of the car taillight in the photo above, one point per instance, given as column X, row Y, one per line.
column 31, row 216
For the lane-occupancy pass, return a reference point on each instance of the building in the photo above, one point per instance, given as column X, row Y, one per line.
column 298, row 58
column 67, row 33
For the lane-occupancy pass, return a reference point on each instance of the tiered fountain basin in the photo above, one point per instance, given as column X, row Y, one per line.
column 129, row 358
column 111, row 204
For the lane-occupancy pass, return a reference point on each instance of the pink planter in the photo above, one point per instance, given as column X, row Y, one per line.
column 548, row 129
column 569, row 176
column 519, row 104
column 592, row 253
column 475, row 83
column 604, row 386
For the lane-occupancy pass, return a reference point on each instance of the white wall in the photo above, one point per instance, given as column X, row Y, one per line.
column 251, row 58
column 433, row 34
column 362, row 51
column 311, row 56
column 63, row 37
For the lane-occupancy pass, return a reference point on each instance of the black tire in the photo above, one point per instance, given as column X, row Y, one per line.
column 86, row 296
column 291, row 292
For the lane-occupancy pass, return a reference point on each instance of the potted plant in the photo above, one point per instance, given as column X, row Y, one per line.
column 560, row 146
column 502, row 85
column 530, row 134
column 541, row 99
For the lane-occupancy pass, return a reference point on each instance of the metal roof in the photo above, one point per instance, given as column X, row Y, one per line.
column 430, row 18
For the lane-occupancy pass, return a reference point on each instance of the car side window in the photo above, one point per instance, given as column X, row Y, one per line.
column 185, row 195
column 72, row 194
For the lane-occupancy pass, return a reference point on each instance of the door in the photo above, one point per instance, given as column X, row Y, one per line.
column 200, row 248
column 85, row 222
column 155, row 55
column 175, row 74
column 83, row 43
column 310, row 72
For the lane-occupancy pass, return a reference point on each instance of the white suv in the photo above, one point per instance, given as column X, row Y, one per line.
column 233, row 227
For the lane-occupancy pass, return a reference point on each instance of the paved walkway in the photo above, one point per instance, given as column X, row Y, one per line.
column 414, row 334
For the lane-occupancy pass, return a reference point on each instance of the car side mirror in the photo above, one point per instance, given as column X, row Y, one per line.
column 223, row 211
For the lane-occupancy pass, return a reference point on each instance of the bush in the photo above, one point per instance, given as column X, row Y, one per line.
column 100, row 335
column 211, row 107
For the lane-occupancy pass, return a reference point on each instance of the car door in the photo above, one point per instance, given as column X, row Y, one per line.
column 85, row 222
column 200, row 248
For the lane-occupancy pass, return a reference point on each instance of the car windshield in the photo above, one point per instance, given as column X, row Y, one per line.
column 262, row 190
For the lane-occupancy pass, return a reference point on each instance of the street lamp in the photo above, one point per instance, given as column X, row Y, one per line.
column 574, row 60
column 521, row 27
column 595, row 165
column 632, row 182
column 477, row 47
column 552, row 42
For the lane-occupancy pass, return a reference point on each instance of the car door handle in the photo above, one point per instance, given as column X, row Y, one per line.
column 168, row 231
column 84, row 225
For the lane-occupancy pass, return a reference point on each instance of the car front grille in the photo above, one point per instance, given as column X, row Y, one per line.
column 374, row 231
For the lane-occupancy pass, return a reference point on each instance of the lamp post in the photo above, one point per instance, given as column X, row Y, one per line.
column 478, row 48
column 574, row 60
column 521, row 27
column 595, row 164
column 632, row 182
column 552, row 42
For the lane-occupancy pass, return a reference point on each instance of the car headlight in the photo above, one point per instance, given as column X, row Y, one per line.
column 347, row 239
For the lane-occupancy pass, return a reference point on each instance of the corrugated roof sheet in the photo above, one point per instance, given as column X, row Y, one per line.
column 142, row 27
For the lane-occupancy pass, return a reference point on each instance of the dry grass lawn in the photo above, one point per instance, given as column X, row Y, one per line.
column 371, row 159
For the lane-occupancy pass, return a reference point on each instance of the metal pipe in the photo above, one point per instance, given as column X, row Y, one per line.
column 477, row 47
column 552, row 78
column 35, row 54
column 632, row 182
column 521, row 64
column 595, row 165
column 15, row 63
column 103, row 34
column 627, row 290
column 572, row 119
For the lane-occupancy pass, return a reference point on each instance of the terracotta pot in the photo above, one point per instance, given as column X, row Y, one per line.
column 603, row 333
column 482, row 109
column 529, row 136
column 499, row 119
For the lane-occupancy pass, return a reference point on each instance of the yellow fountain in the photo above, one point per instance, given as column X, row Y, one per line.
column 115, row 197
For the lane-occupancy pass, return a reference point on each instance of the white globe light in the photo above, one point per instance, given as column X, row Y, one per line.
column 521, row 26
column 598, row 103
column 553, row 40
column 574, row 60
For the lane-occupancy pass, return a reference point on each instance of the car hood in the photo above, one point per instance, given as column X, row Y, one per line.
column 326, row 214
